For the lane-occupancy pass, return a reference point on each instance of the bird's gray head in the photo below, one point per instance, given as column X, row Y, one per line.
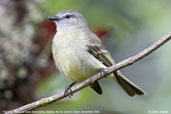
column 68, row 18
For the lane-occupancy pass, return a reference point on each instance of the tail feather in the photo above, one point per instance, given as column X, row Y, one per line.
column 129, row 87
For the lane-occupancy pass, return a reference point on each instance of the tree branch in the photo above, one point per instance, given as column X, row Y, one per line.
column 96, row 77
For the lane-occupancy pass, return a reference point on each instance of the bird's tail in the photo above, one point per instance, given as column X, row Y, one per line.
column 130, row 88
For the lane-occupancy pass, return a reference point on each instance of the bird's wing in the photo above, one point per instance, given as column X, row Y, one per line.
column 97, row 49
column 99, row 52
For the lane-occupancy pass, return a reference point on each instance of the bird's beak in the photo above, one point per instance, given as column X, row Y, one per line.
column 54, row 18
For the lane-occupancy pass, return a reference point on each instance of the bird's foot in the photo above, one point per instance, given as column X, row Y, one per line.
column 68, row 90
column 102, row 72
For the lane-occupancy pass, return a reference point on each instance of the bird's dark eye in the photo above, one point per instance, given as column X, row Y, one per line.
column 67, row 16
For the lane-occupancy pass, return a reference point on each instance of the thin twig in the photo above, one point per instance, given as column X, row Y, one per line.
column 96, row 77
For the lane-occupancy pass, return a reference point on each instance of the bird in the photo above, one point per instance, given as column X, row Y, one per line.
column 79, row 53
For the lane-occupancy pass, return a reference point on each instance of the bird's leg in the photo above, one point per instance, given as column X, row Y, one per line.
column 68, row 90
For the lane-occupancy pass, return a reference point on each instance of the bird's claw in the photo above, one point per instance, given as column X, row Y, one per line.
column 69, row 91
column 102, row 72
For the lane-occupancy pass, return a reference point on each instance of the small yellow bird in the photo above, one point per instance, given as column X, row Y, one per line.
column 79, row 54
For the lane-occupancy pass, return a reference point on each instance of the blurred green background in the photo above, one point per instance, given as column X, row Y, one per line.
column 28, row 73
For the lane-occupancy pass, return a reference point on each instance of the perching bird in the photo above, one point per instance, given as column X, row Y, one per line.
column 79, row 53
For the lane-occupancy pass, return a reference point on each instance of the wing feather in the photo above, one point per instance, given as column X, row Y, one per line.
column 100, row 53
